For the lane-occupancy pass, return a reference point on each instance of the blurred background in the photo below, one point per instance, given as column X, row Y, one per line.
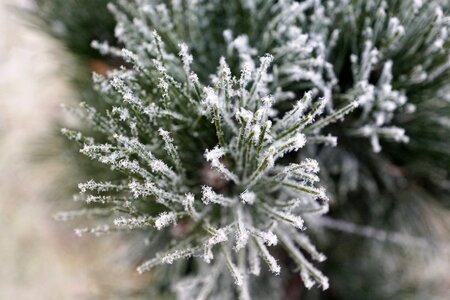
column 40, row 258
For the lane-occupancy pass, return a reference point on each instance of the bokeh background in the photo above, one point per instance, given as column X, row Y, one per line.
column 39, row 257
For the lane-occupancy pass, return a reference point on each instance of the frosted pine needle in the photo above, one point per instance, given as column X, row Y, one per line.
column 203, row 134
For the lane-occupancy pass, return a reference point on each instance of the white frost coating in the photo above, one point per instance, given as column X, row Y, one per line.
column 97, row 231
column 268, row 237
column 188, row 203
column 92, row 185
column 290, row 145
column 417, row 4
column 170, row 258
column 122, row 112
column 285, row 217
column 213, row 156
column 161, row 103
column 131, row 223
column 158, row 166
column 271, row 262
column 164, row 115
column 254, row 260
column 395, row 29
column 235, row 272
column 310, row 165
column 248, row 197
column 209, row 196
column 242, row 234
column 218, row 236
column 186, row 58
column 164, row 86
column 309, row 273
column 165, row 219
column 211, row 99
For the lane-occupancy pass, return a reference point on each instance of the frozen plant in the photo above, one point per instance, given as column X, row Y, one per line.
column 182, row 135
column 210, row 161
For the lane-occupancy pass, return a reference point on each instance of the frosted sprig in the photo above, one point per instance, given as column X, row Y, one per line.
column 210, row 151
column 248, row 154
column 206, row 146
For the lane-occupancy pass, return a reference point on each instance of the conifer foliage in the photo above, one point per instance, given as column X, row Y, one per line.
column 207, row 159
column 222, row 111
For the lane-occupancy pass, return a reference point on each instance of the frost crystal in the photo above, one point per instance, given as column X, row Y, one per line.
column 248, row 197
column 164, row 220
